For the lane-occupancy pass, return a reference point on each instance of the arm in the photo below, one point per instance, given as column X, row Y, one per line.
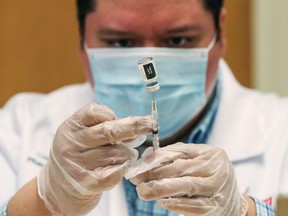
column 252, row 207
column 27, row 202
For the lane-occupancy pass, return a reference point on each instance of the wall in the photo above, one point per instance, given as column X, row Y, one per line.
column 238, row 26
column 270, row 45
column 39, row 44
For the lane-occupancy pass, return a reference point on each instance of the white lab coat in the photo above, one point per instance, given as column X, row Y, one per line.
column 251, row 127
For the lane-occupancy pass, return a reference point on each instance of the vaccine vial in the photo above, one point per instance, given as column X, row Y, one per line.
column 149, row 74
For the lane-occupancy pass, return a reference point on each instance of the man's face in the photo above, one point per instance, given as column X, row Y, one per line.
column 150, row 23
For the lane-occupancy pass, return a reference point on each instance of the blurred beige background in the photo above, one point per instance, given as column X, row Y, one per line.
column 270, row 45
column 39, row 45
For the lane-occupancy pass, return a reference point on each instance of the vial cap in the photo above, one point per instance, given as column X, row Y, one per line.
column 153, row 88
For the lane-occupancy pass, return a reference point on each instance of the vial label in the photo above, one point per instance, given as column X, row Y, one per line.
column 149, row 71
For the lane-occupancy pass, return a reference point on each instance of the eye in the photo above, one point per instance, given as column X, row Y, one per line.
column 120, row 43
column 179, row 41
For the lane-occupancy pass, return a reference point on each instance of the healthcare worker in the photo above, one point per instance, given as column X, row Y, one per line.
column 239, row 167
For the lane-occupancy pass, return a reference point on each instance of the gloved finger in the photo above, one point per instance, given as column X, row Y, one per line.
column 191, row 151
column 113, row 131
column 162, row 157
column 105, row 156
column 98, row 180
column 110, row 175
column 177, row 187
column 151, row 159
column 135, row 141
column 91, row 114
column 178, row 168
column 199, row 206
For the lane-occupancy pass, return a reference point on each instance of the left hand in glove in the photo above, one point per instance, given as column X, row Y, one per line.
column 192, row 180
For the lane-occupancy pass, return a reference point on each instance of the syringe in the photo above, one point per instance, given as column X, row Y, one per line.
column 149, row 75
column 155, row 127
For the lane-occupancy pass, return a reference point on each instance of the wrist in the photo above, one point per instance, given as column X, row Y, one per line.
column 27, row 202
column 251, row 206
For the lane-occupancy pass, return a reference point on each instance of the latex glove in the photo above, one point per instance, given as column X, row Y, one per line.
column 191, row 180
column 84, row 159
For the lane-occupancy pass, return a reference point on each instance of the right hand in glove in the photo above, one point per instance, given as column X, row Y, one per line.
column 194, row 180
column 88, row 157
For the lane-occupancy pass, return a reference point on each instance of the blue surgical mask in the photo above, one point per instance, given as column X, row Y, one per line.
column 181, row 75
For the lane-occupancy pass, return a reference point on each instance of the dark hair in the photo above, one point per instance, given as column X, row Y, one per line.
column 86, row 6
column 83, row 8
column 214, row 6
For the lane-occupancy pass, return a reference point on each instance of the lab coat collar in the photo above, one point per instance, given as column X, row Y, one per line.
column 237, row 127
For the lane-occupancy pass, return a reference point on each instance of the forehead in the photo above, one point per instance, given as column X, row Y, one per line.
column 148, row 4
column 157, row 14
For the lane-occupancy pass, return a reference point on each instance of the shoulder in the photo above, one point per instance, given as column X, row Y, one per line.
column 32, row 100
column 54, row 106
column 270, row 109
column 249, row 119
column 239, row 98
column 69, row 92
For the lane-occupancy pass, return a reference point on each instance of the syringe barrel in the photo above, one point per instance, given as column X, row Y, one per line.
column 154, row 115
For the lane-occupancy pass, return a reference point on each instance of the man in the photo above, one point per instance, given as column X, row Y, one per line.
column 201, row 103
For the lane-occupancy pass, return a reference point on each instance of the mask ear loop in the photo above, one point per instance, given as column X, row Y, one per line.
column 212, row 43
column 85, row 47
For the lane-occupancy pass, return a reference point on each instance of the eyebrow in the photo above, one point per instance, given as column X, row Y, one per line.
column 113, row 32
column 185, row 28
column 181, row 29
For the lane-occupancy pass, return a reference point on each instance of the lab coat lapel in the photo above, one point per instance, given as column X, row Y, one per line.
column 237, row 127
column 237, row 124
